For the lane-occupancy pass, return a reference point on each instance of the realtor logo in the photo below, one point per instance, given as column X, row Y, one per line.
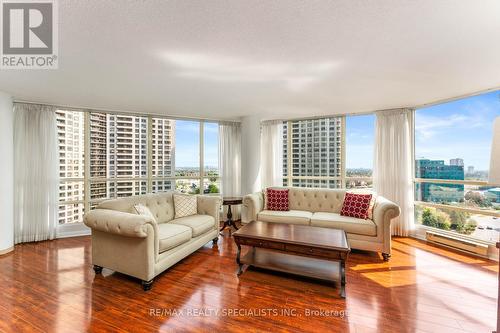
column 29, row 34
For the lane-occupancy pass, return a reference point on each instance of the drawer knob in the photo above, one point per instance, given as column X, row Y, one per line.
column 260, row 243
column 310, row 250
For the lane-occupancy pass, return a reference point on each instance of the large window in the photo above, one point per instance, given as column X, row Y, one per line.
column 313, row 152
column 70, row 133
column 330, row 152
column 130, row 155
column 452, row 150
column 211, row 183
column 118, row 156
column 360, row 137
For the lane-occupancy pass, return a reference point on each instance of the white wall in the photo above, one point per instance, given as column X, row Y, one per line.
column 250, row 154
column 7, row 174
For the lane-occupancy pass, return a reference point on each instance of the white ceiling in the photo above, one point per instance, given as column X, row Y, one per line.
column 289, row 58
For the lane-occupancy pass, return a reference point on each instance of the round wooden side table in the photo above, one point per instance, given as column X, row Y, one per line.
column 230, row 201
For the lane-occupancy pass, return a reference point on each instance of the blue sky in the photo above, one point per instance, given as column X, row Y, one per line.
column 359, row 141
column 462, row 128
column 187, row 138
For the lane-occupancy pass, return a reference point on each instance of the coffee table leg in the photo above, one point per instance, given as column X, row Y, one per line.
column 238, row 261
column 342, row 278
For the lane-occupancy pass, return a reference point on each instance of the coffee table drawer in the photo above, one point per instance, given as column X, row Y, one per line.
column 312, row 251
column 261, row 243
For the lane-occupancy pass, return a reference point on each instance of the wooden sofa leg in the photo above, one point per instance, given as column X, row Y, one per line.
column 97, row 269
column 147, row 285
column 386, row 256
column 215, row 240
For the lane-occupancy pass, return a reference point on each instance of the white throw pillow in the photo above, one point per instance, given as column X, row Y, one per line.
column 144, row 211
column 185, row 205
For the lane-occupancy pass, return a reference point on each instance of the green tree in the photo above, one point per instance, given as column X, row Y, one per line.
column 470, row 227
column 443, row 220
column 212, row 188
column 428, row 218
column 436, row 218
column 477, row 199
column 459, row 220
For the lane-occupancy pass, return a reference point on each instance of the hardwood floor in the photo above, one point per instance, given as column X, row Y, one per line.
column 51, row 287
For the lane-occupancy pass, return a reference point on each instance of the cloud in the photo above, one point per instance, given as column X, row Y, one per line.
column 296, row 77
column 427, row 126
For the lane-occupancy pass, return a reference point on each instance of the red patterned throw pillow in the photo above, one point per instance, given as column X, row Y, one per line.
column 356, row 205
column 277, row 199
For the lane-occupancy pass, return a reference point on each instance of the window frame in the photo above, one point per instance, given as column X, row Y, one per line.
column 75, row 228
column 465, row 182
column 343, row 178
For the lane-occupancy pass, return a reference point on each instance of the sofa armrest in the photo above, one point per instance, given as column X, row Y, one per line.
column 253, row 204
column 119, row 223
column 383, row 213
column 210, row 205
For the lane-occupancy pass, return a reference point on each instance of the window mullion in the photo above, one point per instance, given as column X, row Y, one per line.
column 343, row 154
column 201, row 152
column 86, row 162
column 290, row 152
column 149, row 154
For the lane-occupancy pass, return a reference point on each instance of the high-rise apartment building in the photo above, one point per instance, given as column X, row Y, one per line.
column 316, row 148
column 70, row 135
column 127, row 155
column 118, row 157
column 98, row 155
column 163, row 159
column 435, row 192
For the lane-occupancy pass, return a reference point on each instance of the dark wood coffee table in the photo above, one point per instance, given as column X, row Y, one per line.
column 295, row 249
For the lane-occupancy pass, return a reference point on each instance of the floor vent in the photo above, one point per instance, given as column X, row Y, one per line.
column 456, row 242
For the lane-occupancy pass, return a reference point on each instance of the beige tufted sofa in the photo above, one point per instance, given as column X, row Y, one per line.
column 136, row 245
column 321, row 208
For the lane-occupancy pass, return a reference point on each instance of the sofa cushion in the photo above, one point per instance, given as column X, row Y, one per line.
column 290, row 217
column 198, row 223
column 171, row 235
column 351, row 225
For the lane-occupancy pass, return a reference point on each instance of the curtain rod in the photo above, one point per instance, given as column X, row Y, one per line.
column 121, row 112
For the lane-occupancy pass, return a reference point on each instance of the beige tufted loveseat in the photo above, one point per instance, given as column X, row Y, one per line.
column 138, row 246
column 321, row 208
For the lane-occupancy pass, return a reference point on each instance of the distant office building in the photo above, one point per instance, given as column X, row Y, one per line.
column 494, row 194
column 470, row 169
column 457, row 161
column 316, row 146
column 436, row 192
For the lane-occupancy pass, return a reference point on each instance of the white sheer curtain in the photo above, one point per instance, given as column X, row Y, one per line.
column 230, row 158
column 393, row 164
column 271, row 152
column 36, row 173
